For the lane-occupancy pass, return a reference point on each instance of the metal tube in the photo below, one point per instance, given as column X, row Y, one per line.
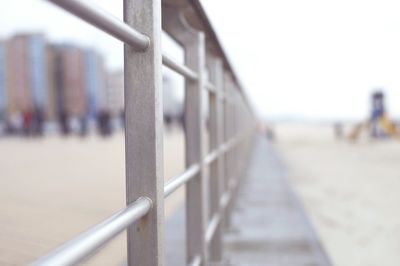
column 225, row 199
column 211, row 157
column 181, row 179
column 212, row 227
column 189, row 173
column 211, row 88
column 193, row 170
column 196, row 261
column 83, row 245
column 179, row 68
column 103, row 20
column 229, row 144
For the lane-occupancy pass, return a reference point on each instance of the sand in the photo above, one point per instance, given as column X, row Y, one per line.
column 351, row 192
column 53, row 188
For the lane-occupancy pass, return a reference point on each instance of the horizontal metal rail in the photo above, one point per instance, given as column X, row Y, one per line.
column 196, row 261
column 211, row 88
column 226, row 197
column 190, row 172
column 86, row 243
column 227, row 110
column 230, row 144
column 82, row 246
column 179, row 68
column 103, row 20
column 211, row 157
column 180, row 180
column 212, row 227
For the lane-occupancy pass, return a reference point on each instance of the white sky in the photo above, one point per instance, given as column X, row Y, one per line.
column 312, row 58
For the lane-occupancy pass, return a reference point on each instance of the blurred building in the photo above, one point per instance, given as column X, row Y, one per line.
column 52, row 112
column 115, row 93
column 69, row 81
column 95, row 83
column 2, row 81
column 62, row 83
column 26, row 75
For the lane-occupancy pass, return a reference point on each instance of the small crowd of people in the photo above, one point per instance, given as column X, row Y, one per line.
column 34, row 124
column 26, row 123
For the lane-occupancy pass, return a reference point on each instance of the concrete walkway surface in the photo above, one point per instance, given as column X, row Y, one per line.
column 269, row 225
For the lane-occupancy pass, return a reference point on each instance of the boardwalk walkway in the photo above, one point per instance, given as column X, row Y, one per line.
column 269, row 226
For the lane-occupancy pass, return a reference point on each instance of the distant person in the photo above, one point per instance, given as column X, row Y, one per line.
column 14, row 124
column 64, row 123
column 38, row 122
column 181, row 120
column 168, row 121
column 270, row 133
column 377, row 112
column 122, row 117
column 84, row 128
column 338, row 128
column 27, row 122
column 104, row 123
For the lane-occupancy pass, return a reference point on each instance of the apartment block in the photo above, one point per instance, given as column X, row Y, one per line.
column 2, row 81
column 95, row 83
column 26, row 75
column 115, row 92
column 69, row 81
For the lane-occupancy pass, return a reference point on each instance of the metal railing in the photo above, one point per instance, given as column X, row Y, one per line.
column 212, row 179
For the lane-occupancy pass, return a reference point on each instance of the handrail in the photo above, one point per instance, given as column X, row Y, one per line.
column 117, row 28
column 179, row 68
column 212, row 227
column 84, row 244
column 211, row 88
column 212, row 156
column 103, row 20
column 181, row 179
column 228, row 109
column 196, row 261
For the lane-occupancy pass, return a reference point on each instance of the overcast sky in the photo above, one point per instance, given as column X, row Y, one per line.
column 311, row 58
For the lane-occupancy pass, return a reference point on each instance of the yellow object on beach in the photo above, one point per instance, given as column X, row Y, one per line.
column 387, row 126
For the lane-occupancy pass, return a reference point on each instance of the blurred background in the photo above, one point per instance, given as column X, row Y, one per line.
column 324, row 80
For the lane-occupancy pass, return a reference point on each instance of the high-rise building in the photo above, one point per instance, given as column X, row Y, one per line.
column 2, row 82
column 52, row 103
column 55, row 82
column 69, row 81
column 18, row 89
column 95, row 83
column 37, row 60
column 26, row 78
column 115, row 92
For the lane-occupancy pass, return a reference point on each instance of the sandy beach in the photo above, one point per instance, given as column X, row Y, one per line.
column 351, row 192
column 53, row 188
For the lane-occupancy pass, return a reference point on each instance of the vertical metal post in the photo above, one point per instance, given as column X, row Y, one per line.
column 227, row 138
column 236, row 150
column 217, row 168
column 196, row 207
column 232, row 164
column 144, row 137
